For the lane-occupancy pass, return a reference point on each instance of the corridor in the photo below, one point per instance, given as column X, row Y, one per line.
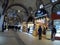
column 22, row 38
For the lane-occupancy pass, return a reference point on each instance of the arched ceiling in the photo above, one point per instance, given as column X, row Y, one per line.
column 27, row 3
column 30, row 3
column 33, row 3
column 17, row 10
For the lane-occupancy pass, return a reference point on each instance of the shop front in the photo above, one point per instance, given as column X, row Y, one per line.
column 30, row 28
column 56, row 19
column 56, row 23
column 41, row 19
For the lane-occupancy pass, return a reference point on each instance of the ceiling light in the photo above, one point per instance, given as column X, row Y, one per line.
column 18, row 10
column 41, row 6
column 54, row 0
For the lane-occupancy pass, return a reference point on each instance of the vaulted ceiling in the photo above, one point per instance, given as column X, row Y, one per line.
column 27, row 3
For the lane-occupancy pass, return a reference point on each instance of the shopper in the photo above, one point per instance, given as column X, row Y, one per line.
column 3, row 28
column 28, row 29
column 53, row 33
column 40, row 32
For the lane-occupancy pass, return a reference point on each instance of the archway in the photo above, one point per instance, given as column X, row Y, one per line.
column 15, row 14
column 20, row 5
column 17, row 9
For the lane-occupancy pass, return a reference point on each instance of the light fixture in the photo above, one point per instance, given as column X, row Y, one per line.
column 39, row 11
column 54, row 1
column 18, row 10
column 41, row 6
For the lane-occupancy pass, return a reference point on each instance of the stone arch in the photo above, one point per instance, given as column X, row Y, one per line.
column 54, row 6
column 20, row 5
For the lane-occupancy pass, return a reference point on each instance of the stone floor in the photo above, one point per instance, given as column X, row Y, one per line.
column 10, row 38
column 22, row 38
column 29, row 39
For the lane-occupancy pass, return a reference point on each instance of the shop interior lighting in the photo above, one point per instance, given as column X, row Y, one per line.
column 18, row 10
column 39, row 11
column 54, row 1
column 58, row 13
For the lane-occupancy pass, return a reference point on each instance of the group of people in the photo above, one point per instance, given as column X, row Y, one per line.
column 15, row 28
column 40, row 32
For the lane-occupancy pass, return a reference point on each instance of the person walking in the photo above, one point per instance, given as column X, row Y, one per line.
column 53, row 34
column 28, row 29
column 40, row 32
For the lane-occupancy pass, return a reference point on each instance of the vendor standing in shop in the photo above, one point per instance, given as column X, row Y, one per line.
column 40, row 32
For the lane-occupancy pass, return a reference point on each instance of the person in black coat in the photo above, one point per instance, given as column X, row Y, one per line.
column 53, row 33
column 28, row 29
column 40, row 32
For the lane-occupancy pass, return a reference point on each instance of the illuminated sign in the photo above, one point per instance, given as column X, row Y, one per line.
column 40, row 13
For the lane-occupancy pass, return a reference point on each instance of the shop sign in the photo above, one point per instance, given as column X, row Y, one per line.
column 40, row 13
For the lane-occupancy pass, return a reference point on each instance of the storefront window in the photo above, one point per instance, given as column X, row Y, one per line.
column 57, row 26
column 31, row 26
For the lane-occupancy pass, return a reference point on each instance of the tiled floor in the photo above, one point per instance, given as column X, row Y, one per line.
column 10, row 38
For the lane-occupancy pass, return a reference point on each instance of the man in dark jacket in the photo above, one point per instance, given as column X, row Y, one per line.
column 28, row 29
column 53, row 33
column 40, row 32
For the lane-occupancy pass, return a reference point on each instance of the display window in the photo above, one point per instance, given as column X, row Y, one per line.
column 57, row 26
column 31, row 27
